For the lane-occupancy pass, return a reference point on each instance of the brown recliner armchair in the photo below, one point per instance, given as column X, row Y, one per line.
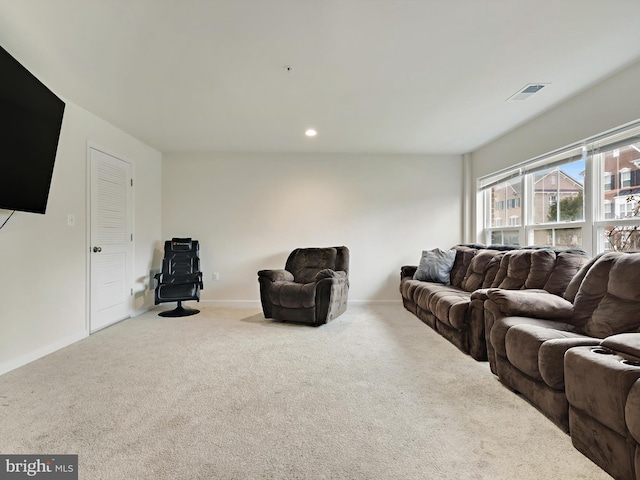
column 312, row 288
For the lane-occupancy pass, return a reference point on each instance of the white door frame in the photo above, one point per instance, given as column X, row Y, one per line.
column 92, row 145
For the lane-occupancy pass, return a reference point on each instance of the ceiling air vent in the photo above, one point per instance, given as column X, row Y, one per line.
column 527, row 92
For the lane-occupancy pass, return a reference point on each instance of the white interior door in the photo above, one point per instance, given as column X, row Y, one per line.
column 111, row 233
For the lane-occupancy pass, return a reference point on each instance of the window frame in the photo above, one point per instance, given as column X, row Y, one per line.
column 596, row 182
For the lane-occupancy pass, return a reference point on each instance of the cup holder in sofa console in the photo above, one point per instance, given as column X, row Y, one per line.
column 633, row 363
column 603, row 351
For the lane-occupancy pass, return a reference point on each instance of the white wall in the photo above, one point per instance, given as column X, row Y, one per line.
column 609, row 104
column 250, row 210
column 44, row 262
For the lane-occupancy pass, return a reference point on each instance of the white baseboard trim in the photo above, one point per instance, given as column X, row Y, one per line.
column 375, row 302
column 257, row 304
column 142, row 310
column 230, row 303
column 41, row 352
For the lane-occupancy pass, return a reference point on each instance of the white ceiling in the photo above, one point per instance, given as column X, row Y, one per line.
column 375, row 76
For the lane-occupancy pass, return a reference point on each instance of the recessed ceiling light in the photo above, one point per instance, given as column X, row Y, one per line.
column 310, row 132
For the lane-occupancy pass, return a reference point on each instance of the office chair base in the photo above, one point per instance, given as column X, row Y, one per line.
column 179, row 311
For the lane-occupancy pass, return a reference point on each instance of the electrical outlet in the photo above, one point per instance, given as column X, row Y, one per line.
column 71, row 220
column 215, row 276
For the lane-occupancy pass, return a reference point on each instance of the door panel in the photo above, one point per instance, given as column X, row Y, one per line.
column 111, row 253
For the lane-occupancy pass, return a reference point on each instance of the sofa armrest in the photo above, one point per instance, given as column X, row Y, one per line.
column 626, row 343
column 328, row 273
column 276, row 275
column 332, row 292
column 407, row 271
column 530, row 303
column 551, row 357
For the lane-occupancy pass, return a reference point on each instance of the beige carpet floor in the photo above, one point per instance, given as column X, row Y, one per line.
column 226, row 394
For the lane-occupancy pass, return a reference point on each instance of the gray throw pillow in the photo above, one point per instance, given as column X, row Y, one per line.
column 435, row 266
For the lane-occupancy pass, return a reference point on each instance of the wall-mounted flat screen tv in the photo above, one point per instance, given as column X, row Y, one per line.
column 30, row 122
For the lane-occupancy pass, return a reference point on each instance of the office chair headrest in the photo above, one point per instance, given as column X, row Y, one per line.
column 181, row 244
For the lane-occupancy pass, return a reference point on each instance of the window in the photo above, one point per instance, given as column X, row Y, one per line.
column 586, row 195
column 513, row 203
column 559, row 237
column 558, row 193
column 504, row 193
column 505, row 237
column 621, row 238
column 608, row 181
column 609, row 209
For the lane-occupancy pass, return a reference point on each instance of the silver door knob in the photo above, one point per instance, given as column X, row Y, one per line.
column 97, row 249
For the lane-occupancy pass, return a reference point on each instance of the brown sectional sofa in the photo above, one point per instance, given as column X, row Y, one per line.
column 530, row 331
column 560, row 329
column 456, row 311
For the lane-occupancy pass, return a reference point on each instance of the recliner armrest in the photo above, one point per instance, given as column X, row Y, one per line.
column 277, row 275
column 627, row 343
column 530, row 303
column 328, row 273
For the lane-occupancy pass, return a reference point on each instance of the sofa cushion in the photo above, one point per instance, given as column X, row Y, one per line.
column 514, row 270
column 522, row 346
column 435, row 266
column 475, row 275
column 503, row 325
column 293, row 295
column 567, row 265
column 421, row 291
column 305, row 263
column 618, row 278
column 492, row 270
column 450, row 306
column 424, row 294
column 592, row 290
column 574, row 285
column 464, row 255
column 542, row 264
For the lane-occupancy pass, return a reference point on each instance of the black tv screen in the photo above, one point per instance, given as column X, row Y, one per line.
column 30, row 122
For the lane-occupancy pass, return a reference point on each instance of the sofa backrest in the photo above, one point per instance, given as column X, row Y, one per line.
column 516, row 267
column 574, row 285
column 539, row 268
column 608, row 300
column 568, row 264
column 482, row 269
column 464, row 255
column 305, row 263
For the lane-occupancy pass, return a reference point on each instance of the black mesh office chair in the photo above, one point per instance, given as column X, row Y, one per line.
column 181, row 278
